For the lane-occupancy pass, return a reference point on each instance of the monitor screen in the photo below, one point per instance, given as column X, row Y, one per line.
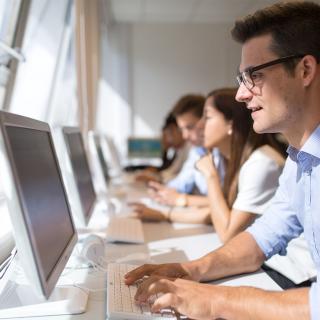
column 144, row 148
column 102, row 159
column 42, row 195
column 81, row 170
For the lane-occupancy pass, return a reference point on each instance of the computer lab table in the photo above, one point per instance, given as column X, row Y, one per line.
column 165, row 242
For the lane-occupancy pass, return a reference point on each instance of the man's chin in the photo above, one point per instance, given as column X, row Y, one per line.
column 260, row 128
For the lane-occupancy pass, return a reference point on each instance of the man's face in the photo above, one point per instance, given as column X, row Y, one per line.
column 277, row 98
column 191, row 128
column 172, row 136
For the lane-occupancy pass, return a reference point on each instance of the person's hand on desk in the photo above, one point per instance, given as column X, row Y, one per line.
column 155, row 187
column 146, row 176
column 167, row 196
column 147, row 214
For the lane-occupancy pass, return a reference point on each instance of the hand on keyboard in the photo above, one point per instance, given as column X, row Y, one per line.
column 147, row 214
column 192, row 299
column 120, row 298
column 168, row 270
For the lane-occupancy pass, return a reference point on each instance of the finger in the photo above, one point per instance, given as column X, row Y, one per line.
column 137, row 210
column 138, row 215
column 139, row 273
column 168, row 300
column 153, row 286
column 155, row 185
column 134, row 203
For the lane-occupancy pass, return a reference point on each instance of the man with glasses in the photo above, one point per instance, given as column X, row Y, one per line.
column 280, row 82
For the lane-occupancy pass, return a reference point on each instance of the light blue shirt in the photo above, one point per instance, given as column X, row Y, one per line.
column 189, row 177
column 295, row 209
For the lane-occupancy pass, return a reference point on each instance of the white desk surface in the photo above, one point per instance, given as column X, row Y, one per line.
column 165, row 243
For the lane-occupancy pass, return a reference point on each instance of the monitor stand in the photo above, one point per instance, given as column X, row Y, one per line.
column 22, row 302
column 19, row 299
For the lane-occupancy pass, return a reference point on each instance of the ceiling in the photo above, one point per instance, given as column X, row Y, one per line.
column 183, row 11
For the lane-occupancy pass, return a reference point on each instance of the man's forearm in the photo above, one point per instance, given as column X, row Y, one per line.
column 252, row 303
column 240, row 255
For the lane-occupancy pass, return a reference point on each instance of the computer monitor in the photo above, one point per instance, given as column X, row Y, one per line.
column 102, row 160
column 112, row 155
column 43, row 227
column 144, row 148
column 81, row 169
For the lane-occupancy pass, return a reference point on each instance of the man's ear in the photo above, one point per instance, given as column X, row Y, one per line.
column 308, row 69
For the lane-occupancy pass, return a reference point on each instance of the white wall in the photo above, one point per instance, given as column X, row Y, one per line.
column 147, row 67
column 170, row 60
column 115, row 91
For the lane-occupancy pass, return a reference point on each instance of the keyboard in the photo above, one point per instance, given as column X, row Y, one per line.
column 120, row 297
column 125, row 230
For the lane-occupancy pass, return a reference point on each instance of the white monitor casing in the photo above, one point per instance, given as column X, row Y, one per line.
column 28, row 255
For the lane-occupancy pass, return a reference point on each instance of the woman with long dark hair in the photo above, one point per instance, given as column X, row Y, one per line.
column 253, row 164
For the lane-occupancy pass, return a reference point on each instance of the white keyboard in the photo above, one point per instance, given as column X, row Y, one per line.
column 120, row 297
column 125, row 230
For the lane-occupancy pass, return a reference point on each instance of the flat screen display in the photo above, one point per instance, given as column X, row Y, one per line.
column 41, row 191
column 81, row 171
column 102, row 160
column 144, row 148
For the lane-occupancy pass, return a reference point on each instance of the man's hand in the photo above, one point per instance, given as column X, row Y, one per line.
column 166, row 196
column 168, row 270
column 205, row 301
column 195, row 300
column 147, row 214
column 156, row 186
column 146, row 176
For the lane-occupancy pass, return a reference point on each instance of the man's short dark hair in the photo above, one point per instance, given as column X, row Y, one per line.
column 191, row 103
column 294, row 27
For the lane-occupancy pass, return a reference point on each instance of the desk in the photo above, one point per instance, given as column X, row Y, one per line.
column 165, row 243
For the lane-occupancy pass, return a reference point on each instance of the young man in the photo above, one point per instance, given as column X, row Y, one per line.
column 188, row 113
column 280, row 82
column 191, row 105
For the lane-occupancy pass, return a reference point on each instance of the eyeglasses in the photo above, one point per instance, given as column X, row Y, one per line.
column 248, row 78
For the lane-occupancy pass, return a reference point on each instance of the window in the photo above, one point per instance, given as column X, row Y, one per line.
column 9, row 12
column 41, row 47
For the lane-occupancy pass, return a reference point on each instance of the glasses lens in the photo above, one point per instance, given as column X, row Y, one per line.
column 239, row 79
column 244, row 77
column 247, row 80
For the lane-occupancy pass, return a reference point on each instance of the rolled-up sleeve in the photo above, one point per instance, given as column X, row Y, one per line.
column 278, row 225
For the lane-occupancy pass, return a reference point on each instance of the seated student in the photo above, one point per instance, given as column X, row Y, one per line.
column 175, row 152
column 176, row 149
column 188, row 112
column 279, row 81
column 243, row 196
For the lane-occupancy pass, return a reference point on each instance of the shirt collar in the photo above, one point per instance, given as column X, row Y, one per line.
column 201, row 151
column 311, row 146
